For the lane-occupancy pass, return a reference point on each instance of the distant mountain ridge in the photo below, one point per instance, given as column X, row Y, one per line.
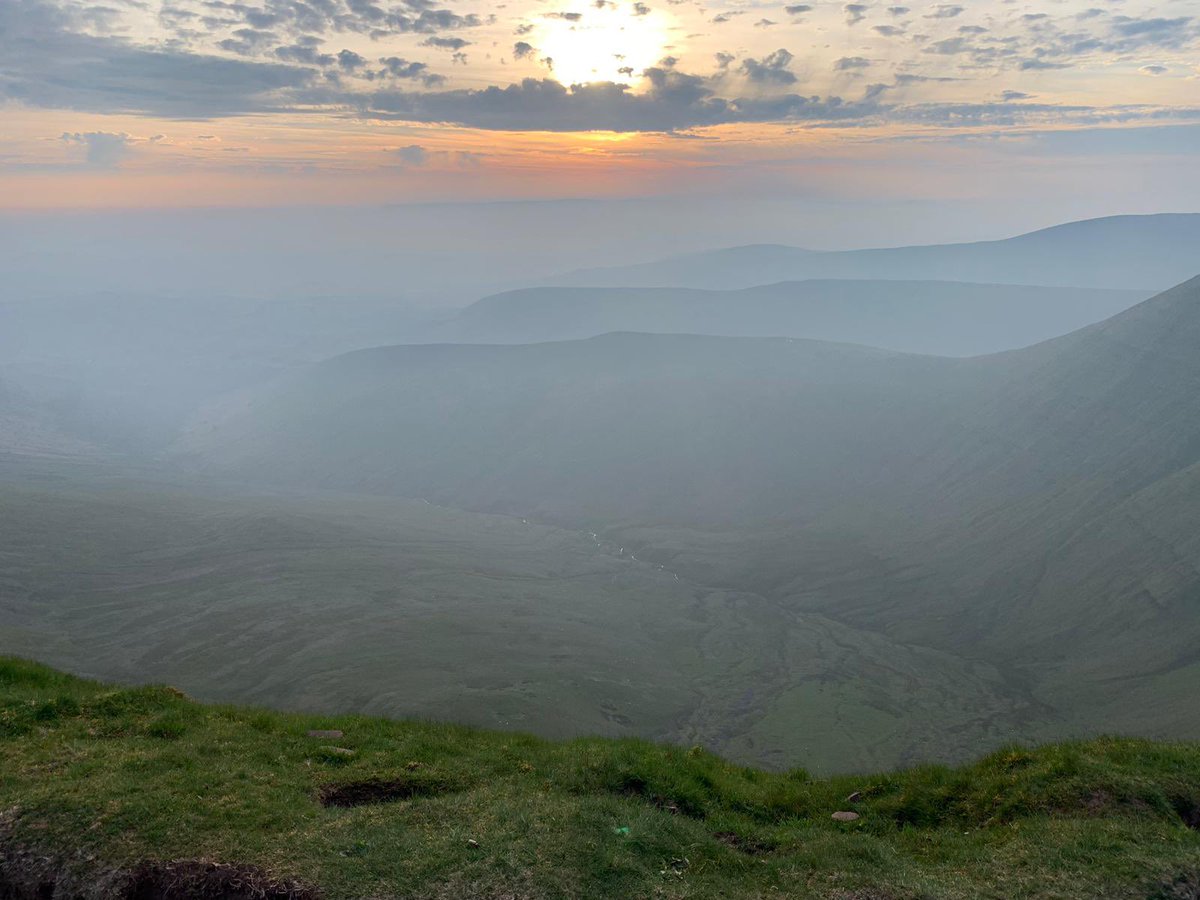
column 1126, row 252
column 936, row 317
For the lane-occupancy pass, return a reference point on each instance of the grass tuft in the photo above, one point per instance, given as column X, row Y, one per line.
column 111, row 785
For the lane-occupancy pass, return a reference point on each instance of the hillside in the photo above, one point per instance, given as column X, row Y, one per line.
column 1131, row 252
column 331, row 602
column 1028, row 510
column 776, row 427
column 934, row 317
column 156, row 795
column 588, row 431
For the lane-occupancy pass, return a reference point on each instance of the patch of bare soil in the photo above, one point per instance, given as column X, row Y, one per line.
column 379, row 790
column 27, row 875
column 749, row 846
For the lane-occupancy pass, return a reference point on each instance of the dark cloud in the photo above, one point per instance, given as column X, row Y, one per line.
column 1033, row 65
column 797, row 9
column 446, row 43
column 944, row 11
column 674, row 101
column 771, row 69
column 248, row 41
column 304, row 53
column 1134, row 34
column 396, row 67
column 350, row 61
column 319, row 17
column 45, row 62
column 855, row 12
column 428, row 21
column 850, row 63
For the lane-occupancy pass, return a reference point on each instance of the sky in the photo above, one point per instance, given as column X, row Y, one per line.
column 1025, row 113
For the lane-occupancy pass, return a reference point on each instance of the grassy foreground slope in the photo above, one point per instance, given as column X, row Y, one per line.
column 139, row 792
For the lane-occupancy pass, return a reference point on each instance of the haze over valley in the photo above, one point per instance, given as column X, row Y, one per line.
column 858, row 521
column 595, row 449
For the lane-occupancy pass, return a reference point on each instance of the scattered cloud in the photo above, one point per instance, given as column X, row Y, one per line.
column 851, row 63
column 771, row 69
column 106, row 149
column 412, row 155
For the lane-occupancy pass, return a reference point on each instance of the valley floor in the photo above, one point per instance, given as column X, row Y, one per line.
column 338, row 602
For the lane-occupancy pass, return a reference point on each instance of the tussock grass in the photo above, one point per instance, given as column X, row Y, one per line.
column 104, row 780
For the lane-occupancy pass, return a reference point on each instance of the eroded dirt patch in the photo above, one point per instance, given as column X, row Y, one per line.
column 1187, row 807
column 635, row 786
column 201, row 880
column 381, row 790
column 26, row 875
column 1185, row 886
column 749, row 846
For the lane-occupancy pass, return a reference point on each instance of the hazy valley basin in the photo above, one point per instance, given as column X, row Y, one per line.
column 599, row 449
column 786, row 550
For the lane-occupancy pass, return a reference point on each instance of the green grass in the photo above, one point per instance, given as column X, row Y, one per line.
column 100, row 778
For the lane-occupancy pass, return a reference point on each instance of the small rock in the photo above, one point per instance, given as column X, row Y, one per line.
column 855, row 797
column 843, row 815
column 337, row 751
column 471, row 842
column 326, row 734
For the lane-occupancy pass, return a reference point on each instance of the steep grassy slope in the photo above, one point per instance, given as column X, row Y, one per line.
column 1137, row 252
column 112, row 792
column 935, row 317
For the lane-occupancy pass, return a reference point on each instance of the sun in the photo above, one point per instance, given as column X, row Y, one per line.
column 613, row 41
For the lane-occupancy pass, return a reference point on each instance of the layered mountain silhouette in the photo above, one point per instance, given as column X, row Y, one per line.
column 936, row 317
column 1136, row 252
column 1036, row 507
